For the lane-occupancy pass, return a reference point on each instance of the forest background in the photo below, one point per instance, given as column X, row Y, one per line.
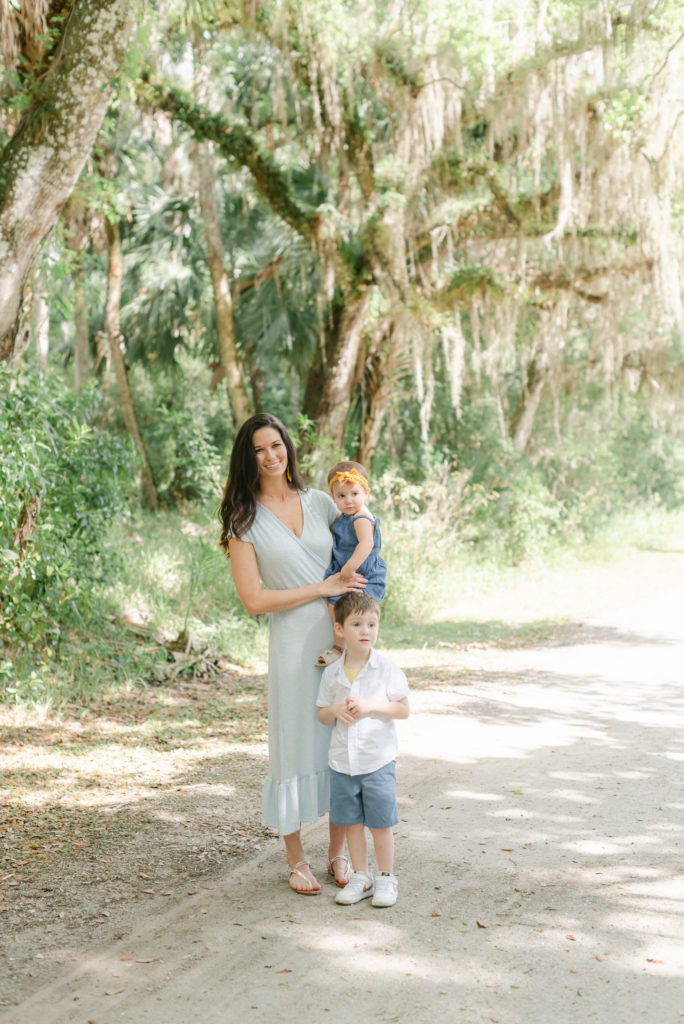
column 444, row 239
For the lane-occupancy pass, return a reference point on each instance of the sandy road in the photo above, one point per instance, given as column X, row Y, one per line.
column 539, row 854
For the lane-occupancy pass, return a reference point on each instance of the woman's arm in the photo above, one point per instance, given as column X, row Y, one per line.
column 364, row 530
column 257, row 600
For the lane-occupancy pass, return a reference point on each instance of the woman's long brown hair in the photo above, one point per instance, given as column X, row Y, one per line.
column 238, row 507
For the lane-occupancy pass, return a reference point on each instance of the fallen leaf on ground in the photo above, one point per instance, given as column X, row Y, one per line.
column 436, row 912
column 649, row 960
column 113, row 991
column 480, row 925
column 571, row 938
column 285, row 970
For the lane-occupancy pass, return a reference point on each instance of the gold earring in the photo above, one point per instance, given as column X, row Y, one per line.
column 288, row 474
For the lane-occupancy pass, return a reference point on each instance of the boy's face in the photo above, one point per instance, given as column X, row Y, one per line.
column 359, row 632
column 349, row 498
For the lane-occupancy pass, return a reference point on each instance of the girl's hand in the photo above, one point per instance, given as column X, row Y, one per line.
column 334, row 585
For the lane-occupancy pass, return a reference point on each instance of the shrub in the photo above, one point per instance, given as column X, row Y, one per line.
column 63, row 479
column 185, row 428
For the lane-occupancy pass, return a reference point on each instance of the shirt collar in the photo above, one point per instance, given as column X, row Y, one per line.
column 372, row 661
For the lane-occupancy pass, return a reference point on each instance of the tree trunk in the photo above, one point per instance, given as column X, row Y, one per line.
column 81, row 348
column 230, row 362
column 41, row 321
column 330, row 386
column 77, row 217
column 528, row 404
column 223, row 299
column 377, row 393
column 114, row 276
column 41, row 163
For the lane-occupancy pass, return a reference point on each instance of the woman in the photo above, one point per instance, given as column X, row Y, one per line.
column 277, row 532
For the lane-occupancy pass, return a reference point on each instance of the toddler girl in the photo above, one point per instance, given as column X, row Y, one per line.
column 356, row 539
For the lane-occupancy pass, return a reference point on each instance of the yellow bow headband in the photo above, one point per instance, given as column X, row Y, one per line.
column 349, row 476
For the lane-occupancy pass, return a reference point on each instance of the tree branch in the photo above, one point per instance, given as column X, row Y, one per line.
column 235, row 143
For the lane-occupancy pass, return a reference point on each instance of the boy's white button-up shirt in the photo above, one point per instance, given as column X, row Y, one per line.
column 371, row 742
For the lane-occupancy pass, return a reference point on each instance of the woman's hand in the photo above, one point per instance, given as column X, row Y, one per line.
column 334, row 585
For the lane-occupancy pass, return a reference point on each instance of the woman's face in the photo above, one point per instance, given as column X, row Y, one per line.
column 270, row 453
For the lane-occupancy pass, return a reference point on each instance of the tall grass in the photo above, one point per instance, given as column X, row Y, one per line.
column 447, row 579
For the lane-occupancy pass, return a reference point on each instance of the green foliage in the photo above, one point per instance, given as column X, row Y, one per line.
column 314, row 451
column 61, row 469
column 185, row 428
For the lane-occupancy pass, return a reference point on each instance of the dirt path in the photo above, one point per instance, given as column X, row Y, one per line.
column 539, row 855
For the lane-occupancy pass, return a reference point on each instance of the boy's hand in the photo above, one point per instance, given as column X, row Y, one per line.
column 358, row 707
column 341, row 711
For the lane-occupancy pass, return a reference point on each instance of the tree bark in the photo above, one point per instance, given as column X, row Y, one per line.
column 223, row 301
column 77, row 217
column 528, row 404
column 339, row 375
column 41, row 322
column 112, row 330
column 377, row 394
column 81, row 348
column 41, row 163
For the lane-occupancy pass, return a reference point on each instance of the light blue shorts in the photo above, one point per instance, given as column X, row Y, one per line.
column 364, row 799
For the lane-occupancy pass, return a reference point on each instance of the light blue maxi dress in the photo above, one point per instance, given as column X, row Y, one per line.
column 297, row 787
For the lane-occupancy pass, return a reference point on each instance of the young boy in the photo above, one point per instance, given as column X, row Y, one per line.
column 360, row 695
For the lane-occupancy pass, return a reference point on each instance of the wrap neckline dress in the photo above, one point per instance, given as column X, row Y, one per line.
column 297, row 787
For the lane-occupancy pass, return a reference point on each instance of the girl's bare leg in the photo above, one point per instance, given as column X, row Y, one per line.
column 358, row 847
column 337, row 646
column 383, row 841
column 295, row 854
column 336, row 849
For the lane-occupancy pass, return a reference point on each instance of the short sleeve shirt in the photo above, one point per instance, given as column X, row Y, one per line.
column 370, row 743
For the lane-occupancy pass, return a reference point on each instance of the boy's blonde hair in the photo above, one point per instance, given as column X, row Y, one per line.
column 352, row 603
column 348, row 472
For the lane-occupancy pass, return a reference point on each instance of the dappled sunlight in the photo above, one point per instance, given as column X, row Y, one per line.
column 538, row 853
column 464, row 738
column 560, row 803
column 461, row 794
column 572, row 795
column 600, row 847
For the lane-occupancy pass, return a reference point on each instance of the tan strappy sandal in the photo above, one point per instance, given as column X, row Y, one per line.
column 295, row 871
column 329, row 656
column 347, row 870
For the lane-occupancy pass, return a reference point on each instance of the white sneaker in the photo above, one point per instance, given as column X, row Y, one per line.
column 386, row 891
column 359, row 887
